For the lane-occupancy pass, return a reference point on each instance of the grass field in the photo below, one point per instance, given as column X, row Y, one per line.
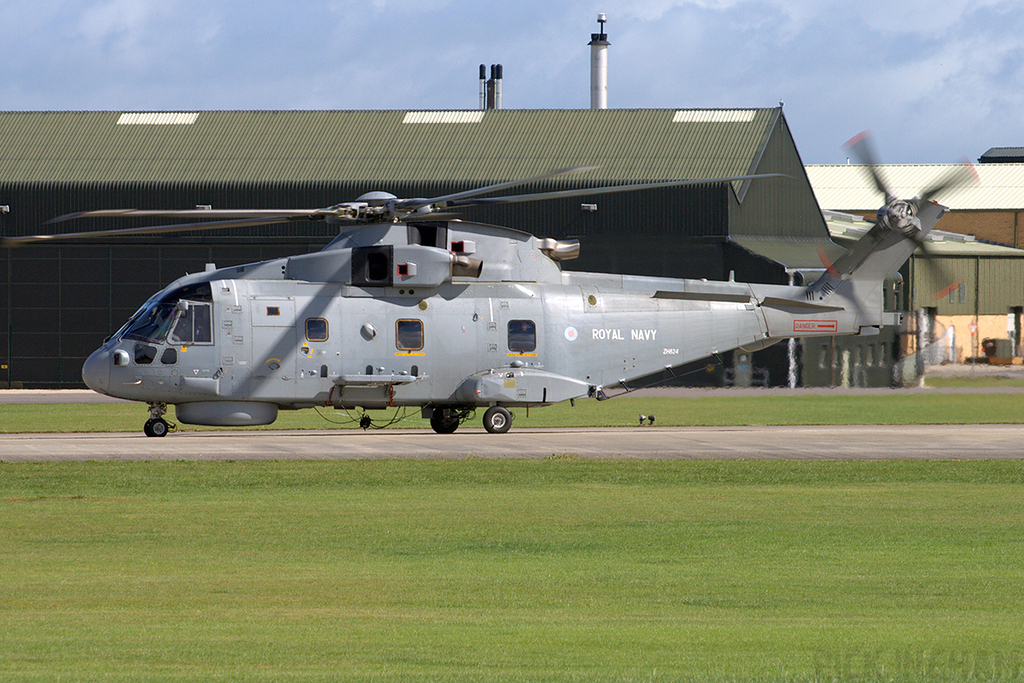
column 974, row 382
column 557, row 570
column 714, row 410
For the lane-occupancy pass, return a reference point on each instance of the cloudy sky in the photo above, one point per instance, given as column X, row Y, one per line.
column 935, row 80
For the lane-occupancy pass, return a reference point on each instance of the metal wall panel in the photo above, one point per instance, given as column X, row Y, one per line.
column 779, row 207
column 1001, row 285
column 948, row 285
column 59, row 301
column 66, row 298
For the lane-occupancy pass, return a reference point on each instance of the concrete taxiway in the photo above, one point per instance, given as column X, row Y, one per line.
column 852, row 442
column 835, row 442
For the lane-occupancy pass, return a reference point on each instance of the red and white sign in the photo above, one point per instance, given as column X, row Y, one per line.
column 815, row 325
column 973, row 328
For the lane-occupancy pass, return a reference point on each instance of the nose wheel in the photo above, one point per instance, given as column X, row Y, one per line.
column 156, row 425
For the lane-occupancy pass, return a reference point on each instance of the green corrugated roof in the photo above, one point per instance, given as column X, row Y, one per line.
column 254, row 146
column 801, row 253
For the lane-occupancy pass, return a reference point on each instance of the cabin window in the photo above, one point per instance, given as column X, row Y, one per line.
column 316, row 329
column 522, row 336
column 193, row 325
column 169, row 356
column 409, row 335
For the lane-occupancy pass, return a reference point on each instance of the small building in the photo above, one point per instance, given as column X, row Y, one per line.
column 992, row 209
column 1003, row 155
column 970, row 283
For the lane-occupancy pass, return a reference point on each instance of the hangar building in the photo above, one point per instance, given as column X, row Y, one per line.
column 59, row 300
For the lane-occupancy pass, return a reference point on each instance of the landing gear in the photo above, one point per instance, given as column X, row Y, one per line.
column 446, row 420
column 497, row 420
column 156, row 425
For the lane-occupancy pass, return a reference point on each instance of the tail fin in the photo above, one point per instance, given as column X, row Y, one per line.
column 856, row 278
column 848, row 298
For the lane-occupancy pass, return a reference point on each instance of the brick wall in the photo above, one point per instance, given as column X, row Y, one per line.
column 1004, row 227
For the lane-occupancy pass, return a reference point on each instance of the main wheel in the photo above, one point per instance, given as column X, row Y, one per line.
column 157, row 427
column 497, row 420
column 444, row 420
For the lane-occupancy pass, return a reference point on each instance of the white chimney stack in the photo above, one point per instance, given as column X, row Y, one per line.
column 599, row 67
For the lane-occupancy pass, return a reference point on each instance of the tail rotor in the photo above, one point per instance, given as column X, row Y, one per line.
column 904, row 215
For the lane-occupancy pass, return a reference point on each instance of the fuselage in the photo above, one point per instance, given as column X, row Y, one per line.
column 298, row 344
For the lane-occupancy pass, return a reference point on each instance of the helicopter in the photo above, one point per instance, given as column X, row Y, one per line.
column 411, row 306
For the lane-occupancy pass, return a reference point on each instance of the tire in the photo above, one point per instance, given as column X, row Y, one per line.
column 156, row 427
column 444, row 420
column 497, row 420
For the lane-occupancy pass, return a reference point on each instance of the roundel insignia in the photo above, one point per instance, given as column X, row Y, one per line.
column 571, row 334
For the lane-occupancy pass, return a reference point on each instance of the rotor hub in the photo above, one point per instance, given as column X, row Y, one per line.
column 376, row 198
column 901, row 216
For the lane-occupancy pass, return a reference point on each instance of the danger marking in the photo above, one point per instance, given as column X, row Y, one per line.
column 815, row 325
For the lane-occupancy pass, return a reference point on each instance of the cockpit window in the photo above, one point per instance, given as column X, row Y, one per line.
column 193, row 325
column 198, row 292
column 153, row 321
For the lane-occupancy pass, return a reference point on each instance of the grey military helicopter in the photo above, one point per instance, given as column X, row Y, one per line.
column 412, row 307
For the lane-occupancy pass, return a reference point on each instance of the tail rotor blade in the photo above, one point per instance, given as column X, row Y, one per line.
column 930, row 261
column 860, row 147
column 961, row 175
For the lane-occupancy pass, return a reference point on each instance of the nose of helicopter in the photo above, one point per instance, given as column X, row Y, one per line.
column 96, row 370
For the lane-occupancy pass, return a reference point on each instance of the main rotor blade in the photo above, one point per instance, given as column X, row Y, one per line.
column 447, row 200
column 931, row 261
column 150, row 230
column 188, row 213
column 586, row 192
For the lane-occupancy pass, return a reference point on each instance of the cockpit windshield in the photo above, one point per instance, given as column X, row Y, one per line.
column 152, row 324
column 153, row 321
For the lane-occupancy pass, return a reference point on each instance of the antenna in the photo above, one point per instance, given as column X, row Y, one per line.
column 599, row 66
